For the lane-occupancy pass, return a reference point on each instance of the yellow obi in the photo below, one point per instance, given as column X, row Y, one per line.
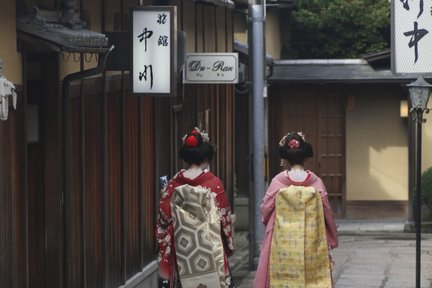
column 299, row 250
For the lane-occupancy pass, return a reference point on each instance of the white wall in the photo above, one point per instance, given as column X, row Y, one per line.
column 272, row 32
column 8, row 48
column 427, row 141
column 377, row 146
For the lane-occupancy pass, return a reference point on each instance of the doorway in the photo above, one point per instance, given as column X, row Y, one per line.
column 43, row 168
column 321, row 117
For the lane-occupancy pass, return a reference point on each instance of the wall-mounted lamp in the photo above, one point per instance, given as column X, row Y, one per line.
column 7, row 90
column 404, row 109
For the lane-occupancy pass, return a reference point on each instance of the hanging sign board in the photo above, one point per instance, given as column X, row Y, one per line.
column 154, row 36
column 213, row 68
column 411, row 37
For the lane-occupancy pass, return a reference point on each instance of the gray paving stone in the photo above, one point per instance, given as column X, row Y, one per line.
column 383, row 260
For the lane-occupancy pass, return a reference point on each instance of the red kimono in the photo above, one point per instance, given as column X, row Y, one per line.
column 164, row 227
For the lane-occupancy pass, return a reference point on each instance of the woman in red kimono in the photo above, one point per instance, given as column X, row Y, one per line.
column 197, row 152
column 295, row 150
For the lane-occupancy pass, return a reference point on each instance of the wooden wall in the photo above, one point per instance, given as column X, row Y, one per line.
column 320, row 114
column 102, row 232
column 13, row 217
column 209, row 106
column 111, row 198
column 82, row 214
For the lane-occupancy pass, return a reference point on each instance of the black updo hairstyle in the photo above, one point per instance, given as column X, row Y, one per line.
column 195, row 150
column 295, row 155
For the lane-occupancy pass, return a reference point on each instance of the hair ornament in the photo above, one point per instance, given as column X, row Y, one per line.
column 191, row 141
column 195, row 131
column 196, row 147
column 283, row 141
column 293, row 143
column 302, row 135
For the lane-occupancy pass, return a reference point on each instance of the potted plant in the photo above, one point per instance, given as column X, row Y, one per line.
column 426, row 187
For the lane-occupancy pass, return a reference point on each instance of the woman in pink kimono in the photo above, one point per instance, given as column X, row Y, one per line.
column 295, row 150
column 193, row 204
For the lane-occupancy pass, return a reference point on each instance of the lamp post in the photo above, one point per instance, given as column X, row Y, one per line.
column 419, row 92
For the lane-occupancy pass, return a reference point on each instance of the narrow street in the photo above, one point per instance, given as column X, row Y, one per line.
column 139, row 139
column 380, row 260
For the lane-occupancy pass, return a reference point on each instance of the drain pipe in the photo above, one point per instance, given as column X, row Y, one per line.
column 256, row 30
column 66, row 133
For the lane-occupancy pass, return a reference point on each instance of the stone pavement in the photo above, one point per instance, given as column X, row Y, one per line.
column 370, row 254
column 381, row 261
column 346, row 226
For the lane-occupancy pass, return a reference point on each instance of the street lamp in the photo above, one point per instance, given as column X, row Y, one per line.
column 419, row 95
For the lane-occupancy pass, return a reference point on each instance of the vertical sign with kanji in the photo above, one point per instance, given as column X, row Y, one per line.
column 412, row 36
column 153, row 35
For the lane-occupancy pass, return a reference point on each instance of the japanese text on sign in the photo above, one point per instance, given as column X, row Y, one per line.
column 412, row 36
column 152, row 51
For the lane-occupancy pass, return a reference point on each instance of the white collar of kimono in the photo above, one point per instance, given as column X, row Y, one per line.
column 193, row 173
column 297, row 174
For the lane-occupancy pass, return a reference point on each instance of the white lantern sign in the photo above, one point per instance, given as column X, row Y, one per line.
column 153, row 34
column 411, row 37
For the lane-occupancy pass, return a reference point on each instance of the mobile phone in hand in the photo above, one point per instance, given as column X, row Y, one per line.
column 163, row 181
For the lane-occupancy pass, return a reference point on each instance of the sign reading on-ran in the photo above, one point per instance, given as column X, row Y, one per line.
column 411, row 37
column 211, row 68
column 154, row 50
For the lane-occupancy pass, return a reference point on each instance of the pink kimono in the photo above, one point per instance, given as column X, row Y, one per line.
column 282, row 180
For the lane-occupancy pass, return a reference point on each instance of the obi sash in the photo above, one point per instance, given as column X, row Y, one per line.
column 197, row 237
column 299, row 250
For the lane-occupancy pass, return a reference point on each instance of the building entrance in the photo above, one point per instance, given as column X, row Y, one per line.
column 322, row 119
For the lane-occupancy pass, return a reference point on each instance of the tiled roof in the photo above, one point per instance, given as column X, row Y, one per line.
column 40, row 27
column 332, row 71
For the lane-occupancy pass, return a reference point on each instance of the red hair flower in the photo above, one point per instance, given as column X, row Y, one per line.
column 191, row 141
column 294, row 144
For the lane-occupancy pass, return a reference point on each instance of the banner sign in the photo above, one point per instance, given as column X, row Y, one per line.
column 213, row 68
column 411, row 36
column 154, row 50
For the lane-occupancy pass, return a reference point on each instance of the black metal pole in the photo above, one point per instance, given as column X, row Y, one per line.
column 419, row 94
column 419, row 123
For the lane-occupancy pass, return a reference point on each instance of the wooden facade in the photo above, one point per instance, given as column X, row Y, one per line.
column 321, row 116
column 82, row 214
column 210, row 107
column 111, row 194
column 13, row 200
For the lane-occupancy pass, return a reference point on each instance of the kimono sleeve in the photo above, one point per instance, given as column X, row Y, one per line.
column 331, row 228
column 268, row 203
column 164, row 233
column 226, row 222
